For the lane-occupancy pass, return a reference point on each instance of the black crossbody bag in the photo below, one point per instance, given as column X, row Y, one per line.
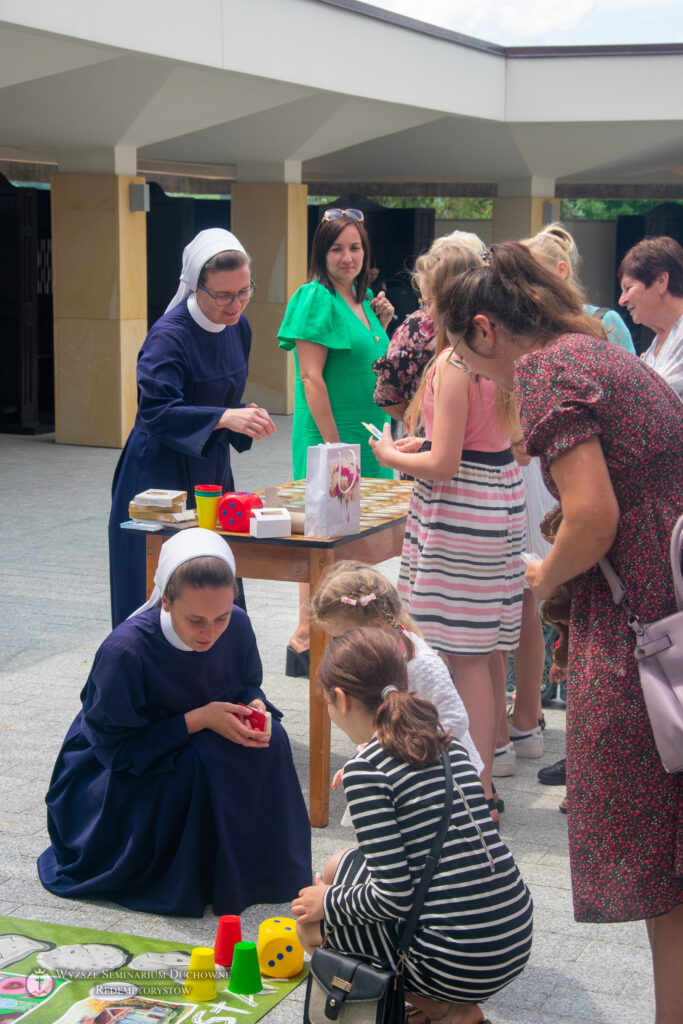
column 355, row 989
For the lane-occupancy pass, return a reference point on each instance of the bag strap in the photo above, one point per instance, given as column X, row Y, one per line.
column 676, row 546
column 614, row 581
column 430, row 864
column 616, row 584
column 355, row 477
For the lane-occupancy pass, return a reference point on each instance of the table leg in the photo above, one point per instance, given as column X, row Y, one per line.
column 153, row 544
column 319, row 720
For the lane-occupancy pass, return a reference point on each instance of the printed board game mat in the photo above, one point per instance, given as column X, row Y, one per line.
column 56, row 974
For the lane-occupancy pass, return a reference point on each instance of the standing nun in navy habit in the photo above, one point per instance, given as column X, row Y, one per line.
column 162, row 798
column 191, row 373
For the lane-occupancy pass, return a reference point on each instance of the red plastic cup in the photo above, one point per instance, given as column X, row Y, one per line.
column 228, row 933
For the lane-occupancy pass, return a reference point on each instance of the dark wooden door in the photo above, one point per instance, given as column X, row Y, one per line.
column 18, row 308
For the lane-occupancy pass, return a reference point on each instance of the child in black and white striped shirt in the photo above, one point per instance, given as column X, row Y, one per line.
column 474, row 933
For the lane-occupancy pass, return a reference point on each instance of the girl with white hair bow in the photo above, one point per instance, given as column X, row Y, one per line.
column 163, row 797
column 191, row 374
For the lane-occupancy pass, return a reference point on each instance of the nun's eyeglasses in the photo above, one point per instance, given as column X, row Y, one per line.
column 227, row 298
column 337, row 213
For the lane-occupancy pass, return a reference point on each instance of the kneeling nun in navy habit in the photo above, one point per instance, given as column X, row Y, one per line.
column 162, row 798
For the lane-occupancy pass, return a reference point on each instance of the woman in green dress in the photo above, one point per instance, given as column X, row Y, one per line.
column 336, row 330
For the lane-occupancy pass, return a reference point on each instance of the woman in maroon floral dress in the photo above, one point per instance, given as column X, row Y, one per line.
column 609, row 433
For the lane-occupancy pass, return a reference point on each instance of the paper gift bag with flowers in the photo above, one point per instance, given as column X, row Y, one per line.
column 332, row 490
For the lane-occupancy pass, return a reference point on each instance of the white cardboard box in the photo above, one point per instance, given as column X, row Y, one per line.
column 270, row 522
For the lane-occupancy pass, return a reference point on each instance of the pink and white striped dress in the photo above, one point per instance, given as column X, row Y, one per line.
column 461, row 571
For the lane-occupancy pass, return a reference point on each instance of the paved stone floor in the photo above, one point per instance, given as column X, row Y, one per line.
column 54, row 611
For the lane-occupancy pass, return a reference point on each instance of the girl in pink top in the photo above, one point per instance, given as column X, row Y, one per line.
column 461, row 572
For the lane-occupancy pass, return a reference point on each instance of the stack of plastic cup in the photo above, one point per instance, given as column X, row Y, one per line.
column 229, row 932
column 207, row 497
column 245, row 977
column 200, row 981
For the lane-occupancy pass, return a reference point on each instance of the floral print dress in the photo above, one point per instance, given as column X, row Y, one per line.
column 625, row 812
column 399, row 371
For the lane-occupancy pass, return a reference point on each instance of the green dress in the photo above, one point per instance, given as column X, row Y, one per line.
column 316, row 314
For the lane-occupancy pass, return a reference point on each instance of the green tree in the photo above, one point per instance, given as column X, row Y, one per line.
column 605, row 209
column 472, row 208
column 445, row 207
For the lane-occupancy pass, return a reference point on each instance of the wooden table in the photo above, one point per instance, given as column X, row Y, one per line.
column 299, row 559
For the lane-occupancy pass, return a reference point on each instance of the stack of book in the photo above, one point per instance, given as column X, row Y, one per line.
column 161, row 506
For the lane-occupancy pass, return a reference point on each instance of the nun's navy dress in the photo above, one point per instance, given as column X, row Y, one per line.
column 187, row 377
column 144, row 814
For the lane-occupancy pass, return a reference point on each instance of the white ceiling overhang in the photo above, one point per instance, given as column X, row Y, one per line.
column 347, row 96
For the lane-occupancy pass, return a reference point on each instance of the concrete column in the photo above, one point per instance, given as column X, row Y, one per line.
column 99, row 266
column 270, row 218
column 523, row 207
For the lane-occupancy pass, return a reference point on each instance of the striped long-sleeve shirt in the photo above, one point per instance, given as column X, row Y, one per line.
column 474, row 932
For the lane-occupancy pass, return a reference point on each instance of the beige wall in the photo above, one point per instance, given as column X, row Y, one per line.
column 517, row 217
column 271, row 221
column 476, row 227
column 596, row 241
column 99, row 263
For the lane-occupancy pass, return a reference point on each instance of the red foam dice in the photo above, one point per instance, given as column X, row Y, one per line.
column 235, row 508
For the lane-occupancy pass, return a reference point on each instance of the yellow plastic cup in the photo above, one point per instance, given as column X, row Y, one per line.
column 207, row 498
column 200, row 981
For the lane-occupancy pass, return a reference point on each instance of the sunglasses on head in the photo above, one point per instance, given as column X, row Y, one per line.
column 337, row 213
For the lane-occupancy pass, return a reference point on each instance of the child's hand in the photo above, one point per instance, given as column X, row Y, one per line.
column 556, row 674
column 308, row 906
column 409, row 443
column 338, row 776
column 384, row 449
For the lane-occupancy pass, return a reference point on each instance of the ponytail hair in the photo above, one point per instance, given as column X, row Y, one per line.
column 362, row 664
column 556, row 245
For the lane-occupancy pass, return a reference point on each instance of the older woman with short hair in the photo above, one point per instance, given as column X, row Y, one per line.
column 651, row 279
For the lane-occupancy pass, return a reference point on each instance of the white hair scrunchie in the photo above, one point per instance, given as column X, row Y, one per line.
column 196, row 253
column 387, row 690
column 184, row 546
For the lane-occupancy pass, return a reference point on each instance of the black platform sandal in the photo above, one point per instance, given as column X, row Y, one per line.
column 496, row 804
column 298, row 663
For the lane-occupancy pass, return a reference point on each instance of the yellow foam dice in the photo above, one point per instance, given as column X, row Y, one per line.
column 280, row 954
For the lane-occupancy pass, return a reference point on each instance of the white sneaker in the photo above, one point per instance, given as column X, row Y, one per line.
column 504, row 762
column 527, row 743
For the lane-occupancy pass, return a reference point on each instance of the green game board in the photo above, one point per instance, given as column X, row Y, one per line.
column 54, row 974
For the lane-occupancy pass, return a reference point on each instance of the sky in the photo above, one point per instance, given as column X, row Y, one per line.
column 550, row 22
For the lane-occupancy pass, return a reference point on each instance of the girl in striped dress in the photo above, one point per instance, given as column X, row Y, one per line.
column 353, row 594
column 461, row 572
column 474, row 932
